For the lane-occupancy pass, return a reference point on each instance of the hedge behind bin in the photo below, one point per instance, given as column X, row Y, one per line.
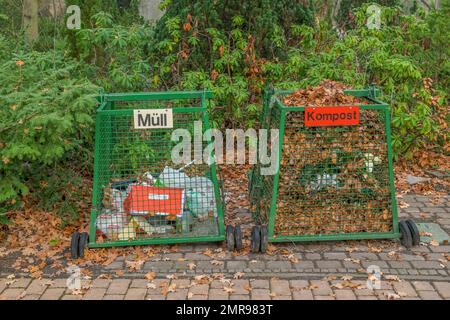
column 140, row 196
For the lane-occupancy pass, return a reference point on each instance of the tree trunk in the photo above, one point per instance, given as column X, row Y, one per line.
column 30, row 20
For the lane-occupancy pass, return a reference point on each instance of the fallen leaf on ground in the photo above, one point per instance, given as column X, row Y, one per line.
column 434, row 243
column 150, row 276
column 392, row 296
column 192, row 266
column 392, row 278
column 228, row 289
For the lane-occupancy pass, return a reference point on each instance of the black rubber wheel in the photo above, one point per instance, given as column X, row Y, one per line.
column 414, row 232
column 230, row 238
column 82, row 243
column 255, row 243
column 74, row 245
column 238, row 237
column 264, row 239
column 406, row 239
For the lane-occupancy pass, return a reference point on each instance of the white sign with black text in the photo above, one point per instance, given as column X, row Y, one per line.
column 153, row 119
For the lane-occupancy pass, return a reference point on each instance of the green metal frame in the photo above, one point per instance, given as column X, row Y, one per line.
column 107, row 109
column 271, row 100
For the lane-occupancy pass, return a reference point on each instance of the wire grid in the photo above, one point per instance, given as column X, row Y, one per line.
column 266, row 183
column 334, row 180
column 141, row 193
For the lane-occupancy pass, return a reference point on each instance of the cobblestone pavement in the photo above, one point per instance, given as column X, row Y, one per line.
column 319, row 271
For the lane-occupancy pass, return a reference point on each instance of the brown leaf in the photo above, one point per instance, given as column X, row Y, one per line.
column 150, row 276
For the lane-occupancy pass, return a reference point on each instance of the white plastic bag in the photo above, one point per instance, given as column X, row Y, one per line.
column 174, row 178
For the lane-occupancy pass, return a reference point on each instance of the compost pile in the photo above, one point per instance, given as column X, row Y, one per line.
column 332, row 179
column 327, row 93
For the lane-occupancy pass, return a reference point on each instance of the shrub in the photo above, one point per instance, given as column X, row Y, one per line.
column 47, row 111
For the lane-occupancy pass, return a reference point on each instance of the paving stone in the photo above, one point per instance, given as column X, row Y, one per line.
column 199, row 289
column 335, row 255
column 118, row 287
column 71, row 297
column 426, row 264
column 323, row 297
column 236, row 265
column 365, row 292
column 181, row 265
column 136, row 294
column 53, row 294
column 259, row 265
column 116, row 265
column 239, row 297
column 420, row 249
column 423, row 286
column 199, row 297
column 155, row 297
column 206, row 264
column 400, row 264
column 59, row 283
column 101, row 283
column 94, row 294
column 196, row 256
column 298, row 284
column 20, row 283
column 139, row 283
column 367, row 298
column 442, row 249
column 302, row 295
column 2, row 285
column 217, row 294
column 429, row 295
column 412, row 257
column 32, row 297
column 260, row 284
column 312, row 256
column 363, row 255
column 279, row 287
column 323, row 288
column 321, row 264
column 260, row 294
column 11, row 294
column 303, row 265
column 172, row 256
column 36, row 287
column 351, row 265
column 282, row 297
column 279, row 265
column 241, row 286
column 216, row 284
column 158, row 265
column 181, row 283
column 405, row 287
column 413, row 272
column 379, row 263
column 114, row 297
column 443, row 288
column 344, row 295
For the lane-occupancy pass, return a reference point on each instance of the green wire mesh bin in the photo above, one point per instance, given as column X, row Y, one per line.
column 334, row 182
column 140, row 195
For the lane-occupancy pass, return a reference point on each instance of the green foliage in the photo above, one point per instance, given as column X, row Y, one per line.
column 62, row 190
column 220, row 45
column 232, row 47
column 116, row 54
column 398, row 57
column 46, row 113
